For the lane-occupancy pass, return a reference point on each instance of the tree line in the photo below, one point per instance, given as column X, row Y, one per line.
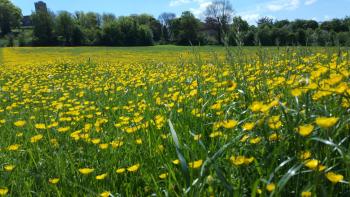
column 219, row 27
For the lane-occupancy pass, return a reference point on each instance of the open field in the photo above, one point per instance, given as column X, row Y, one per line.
column 174, row 121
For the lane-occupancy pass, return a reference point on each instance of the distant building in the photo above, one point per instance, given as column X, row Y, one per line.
column 40, row 6
column 26, row 21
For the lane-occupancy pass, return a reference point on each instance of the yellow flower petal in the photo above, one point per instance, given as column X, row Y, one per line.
column 325, row 122
column 86, row 171
column 270, row 187
column 102, row 176
column 120, row 170
column 54, row 180
column 333, row 177
column 134, row 168
column 305, row 130
column 195, row 164
column 3, row 191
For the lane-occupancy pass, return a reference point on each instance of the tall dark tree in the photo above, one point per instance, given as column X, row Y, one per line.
column 43, row 31
column 336, row 25
column 239, row 29
column 279, row 35
column 10, row 16
column 90, row 24
column 186, row 29
column 126, row 31
column 165, row 19
column 264, row 36
column 108, row 18
column 111, row 34
column 65, row 27
column 265, row 22
column 218, row 14
column 281, row 23
column 304, row 24
column 152, row 23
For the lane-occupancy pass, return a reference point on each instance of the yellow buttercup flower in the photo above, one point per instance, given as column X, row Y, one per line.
column 63, row 129
column 325, row 122
column 248, row 126
column 229, row 124
column 312, row 164
column 101, row 176
column 96, row 141
column 244, row 138
column 274, row 137
column 13, row 147
column 305, row 155
column 197, row 137
column 274, row 122
column 9, row 168
column 120, row 170
column 216, row 106
column 19, row 134
column 134, row 168
column 256, row 106
column 296, row 92
column 333, row 177
column 176, row 161
column 306, row 194
column 3, row 191
column 54, row 180
column 20, row 123
column 86, row 171
column 270, row 187
column 305, row 130
column 40, row 126
column 105, row 194
column 163, row 176
column 103, row 146
column 138, row 141
column 195, row 164
column 215, row 134
column 36, row 138
column 240, row 160
column 255, row 140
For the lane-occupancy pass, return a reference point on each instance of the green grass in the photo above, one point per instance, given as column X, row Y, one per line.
column 171, row 96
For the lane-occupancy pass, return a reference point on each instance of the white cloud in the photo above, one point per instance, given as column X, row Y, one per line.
column 267, row 8
column 251, row 18
column 174, row 3
column 279, row 5
column 178, row 2
column 200, row 9
column 310, row 2
column 201, row 5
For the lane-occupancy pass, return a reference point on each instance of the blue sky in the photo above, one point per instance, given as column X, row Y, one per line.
column 250, row 10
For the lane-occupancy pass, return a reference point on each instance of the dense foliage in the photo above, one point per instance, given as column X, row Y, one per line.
column 10, row 16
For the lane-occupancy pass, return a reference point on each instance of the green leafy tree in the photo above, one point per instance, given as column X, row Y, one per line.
column 145, row 35
column 218, row 14
column 111, row 34
column 65, row 28
column 165, row 19
column 90, row 26
column 186, row 29
column 43, row 31
column 10, row 16
column 126, row 31
column 152, row 23
column 239, row 29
